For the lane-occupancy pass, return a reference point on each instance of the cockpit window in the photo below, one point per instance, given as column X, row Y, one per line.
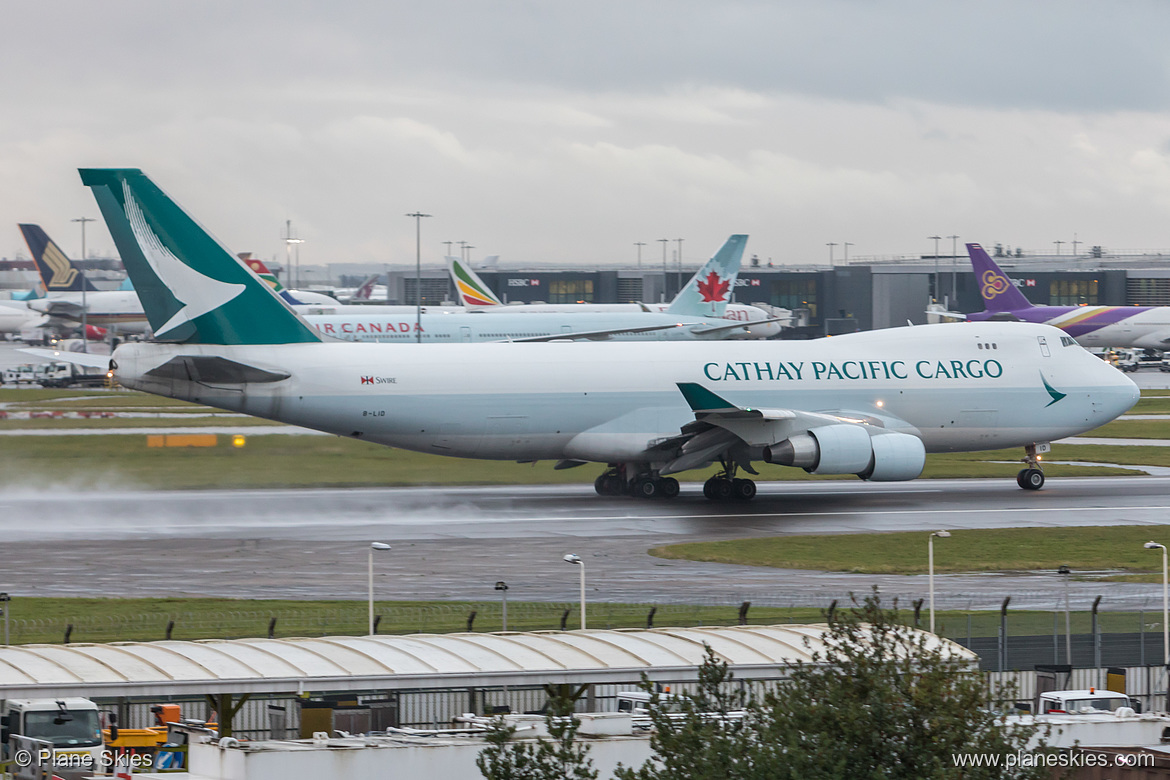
column 1068, row 341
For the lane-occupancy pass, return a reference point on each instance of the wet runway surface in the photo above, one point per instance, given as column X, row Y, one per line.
column 455, row 543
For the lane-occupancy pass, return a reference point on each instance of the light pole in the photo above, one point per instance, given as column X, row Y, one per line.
column 1074, row 244
column 448, row 245
column 830, row 245
column 679, row 258
column 639, row 244
column 936, row 240
column 664, row 242
column 576, row 560
column 930, row 569
column 84, row 284
column 847, row 244
column 370, row 572
column 418, row 218
column 1165, row 601
column 1058, row 243
column 1066, row 573
column 954, row 254
column 502, row 587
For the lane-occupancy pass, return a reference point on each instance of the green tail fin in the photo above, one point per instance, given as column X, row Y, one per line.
column 192, row 289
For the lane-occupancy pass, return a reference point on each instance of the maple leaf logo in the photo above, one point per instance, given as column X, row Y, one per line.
column 713, row 289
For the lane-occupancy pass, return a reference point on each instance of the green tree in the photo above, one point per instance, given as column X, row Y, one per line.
column 560, row 757
column 878, row 700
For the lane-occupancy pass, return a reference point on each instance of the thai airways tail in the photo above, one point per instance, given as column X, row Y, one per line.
column 473, row 293
column 999, row 294
column 709, row 291
column 192, row 289
column 58, row 273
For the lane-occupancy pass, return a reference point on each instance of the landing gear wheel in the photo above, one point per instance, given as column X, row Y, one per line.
column 645, row 487
column 668, row 487
column 743, row 489
column 1030, row 479
column 600, row 486
column 718, row 488
column 609, row 485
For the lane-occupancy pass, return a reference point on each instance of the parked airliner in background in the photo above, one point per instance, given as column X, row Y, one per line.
column 870, row 404
column 706, row 294
column 1146, row 327
column 117, row 310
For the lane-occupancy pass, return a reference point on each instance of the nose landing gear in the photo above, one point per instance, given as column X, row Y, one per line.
column 1031, row 478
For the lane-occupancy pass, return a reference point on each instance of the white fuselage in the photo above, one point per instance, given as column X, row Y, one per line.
column 447, row 327
column 956, row 387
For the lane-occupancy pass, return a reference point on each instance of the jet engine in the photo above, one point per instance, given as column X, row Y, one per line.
column 830, row 449
column 896, row 457
column 849, row 449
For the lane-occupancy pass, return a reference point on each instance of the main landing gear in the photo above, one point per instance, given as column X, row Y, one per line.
column 614, row 483
column 1031, row 478
column 725, row 486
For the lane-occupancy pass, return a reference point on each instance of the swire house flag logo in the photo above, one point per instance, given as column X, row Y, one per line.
column 713, row 289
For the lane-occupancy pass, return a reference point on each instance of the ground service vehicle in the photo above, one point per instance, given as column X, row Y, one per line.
column 61, row 374
column 1082, row 701
column 72, row 725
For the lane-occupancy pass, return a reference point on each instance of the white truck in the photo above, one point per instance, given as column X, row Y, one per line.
column 1088, row 701
column 71, row 725
column 19, row 375
column 62, row 374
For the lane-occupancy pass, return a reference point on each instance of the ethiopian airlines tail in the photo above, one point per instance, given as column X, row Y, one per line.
column 192, row 289
column 999, row 294
column 57, row 271
column 709, row 290
column 473, row 293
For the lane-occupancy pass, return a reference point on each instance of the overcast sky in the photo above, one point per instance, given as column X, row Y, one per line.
column 550, row 132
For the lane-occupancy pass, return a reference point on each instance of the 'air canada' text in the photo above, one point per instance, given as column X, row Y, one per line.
column 854, row 369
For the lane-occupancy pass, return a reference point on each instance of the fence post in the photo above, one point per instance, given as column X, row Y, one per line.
column 272, row 628
column 1003, row 633
column 1096, row 635
column 471, row 621
column 917, row 611
column 377, row 621
column 170, row 629
column 743, row 610
column 564, row 619
column 68, row 632
column 650, row 617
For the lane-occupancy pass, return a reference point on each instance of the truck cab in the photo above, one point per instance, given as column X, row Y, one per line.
column 72, row 725
column 1088, row 701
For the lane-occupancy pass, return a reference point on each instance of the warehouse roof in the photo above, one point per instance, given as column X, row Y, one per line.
column 410, row 661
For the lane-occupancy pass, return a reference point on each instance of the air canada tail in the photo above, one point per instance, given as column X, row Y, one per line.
column 709, row 291
column 999, row 294
column 192, row 289
column 58, row 273
column 473, row 293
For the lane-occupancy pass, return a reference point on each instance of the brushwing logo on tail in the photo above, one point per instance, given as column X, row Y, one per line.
column 994, row 284
column 199, row 294
column 63, row 272
column 713, row 289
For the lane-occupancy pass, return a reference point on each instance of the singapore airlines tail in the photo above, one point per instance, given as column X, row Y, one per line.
column 57, row 271
column 999, row 294
column 709, row 291
column 193, row 289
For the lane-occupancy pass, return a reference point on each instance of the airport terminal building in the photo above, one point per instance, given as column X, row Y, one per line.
column 842, row 298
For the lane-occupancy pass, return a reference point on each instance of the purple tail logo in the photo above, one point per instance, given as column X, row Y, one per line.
column 994, row 284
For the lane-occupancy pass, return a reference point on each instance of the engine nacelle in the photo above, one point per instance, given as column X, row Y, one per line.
column 831, row 449
column 896, row 456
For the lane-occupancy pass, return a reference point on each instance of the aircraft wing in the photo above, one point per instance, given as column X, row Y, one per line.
column 70, row 310
column 597, row 335
column 737, row 324
column 722, row 428
column 91, row 359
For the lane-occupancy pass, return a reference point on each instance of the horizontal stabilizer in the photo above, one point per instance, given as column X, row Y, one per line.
column 214, row 370
column 91, row 359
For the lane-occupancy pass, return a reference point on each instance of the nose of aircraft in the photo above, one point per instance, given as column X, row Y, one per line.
column 1117, row 393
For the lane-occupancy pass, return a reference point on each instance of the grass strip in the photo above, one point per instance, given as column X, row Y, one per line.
column 1093, row 548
